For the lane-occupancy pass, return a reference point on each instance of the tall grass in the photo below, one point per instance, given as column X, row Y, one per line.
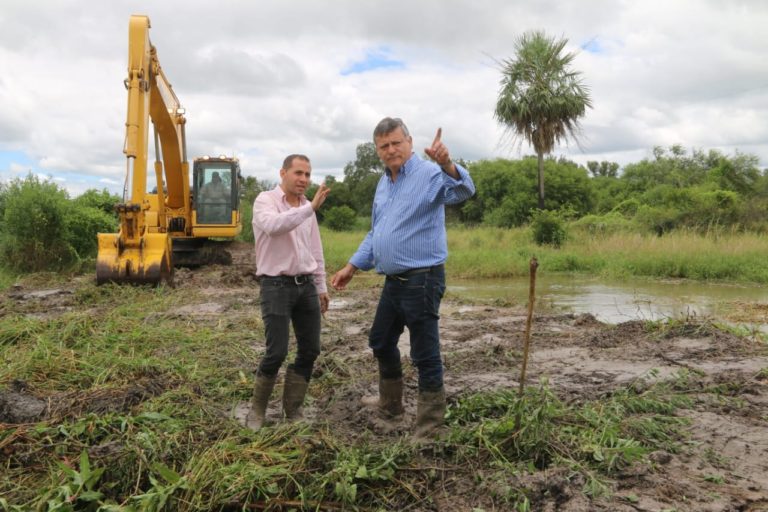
column 495, row 252
column 6, row 279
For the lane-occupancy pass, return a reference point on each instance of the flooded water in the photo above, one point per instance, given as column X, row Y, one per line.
column 616, row 301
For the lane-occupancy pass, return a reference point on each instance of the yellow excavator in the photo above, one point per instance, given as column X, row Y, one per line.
column 177, row 223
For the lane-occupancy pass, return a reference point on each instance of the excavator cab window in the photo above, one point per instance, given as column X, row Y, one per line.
column 215, row 189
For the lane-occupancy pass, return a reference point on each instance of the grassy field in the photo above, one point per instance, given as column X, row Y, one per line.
column 489, row 252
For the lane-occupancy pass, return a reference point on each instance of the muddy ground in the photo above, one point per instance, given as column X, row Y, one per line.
column 721, row 467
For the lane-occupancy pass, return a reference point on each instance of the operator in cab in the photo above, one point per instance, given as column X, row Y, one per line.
column 214, row 200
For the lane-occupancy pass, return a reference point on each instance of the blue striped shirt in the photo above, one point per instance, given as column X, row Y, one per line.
column 408, row 218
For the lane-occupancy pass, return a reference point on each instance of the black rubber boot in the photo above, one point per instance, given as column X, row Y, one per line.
column 294, row 390
column 261, row 391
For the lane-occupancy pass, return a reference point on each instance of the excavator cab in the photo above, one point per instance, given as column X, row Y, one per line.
column 216, row 191
column 215, row 212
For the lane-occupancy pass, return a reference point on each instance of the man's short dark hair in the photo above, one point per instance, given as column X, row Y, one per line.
column 290, row 158
column 388, row 125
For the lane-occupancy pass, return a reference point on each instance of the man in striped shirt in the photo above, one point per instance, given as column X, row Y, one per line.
column 407, row 243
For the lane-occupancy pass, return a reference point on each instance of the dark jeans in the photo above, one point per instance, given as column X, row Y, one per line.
column 413, row 301
column 283, row 301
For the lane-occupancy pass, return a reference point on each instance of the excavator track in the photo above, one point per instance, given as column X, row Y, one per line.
column 197, row 252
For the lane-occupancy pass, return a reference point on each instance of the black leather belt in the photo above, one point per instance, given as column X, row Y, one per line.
column 403, row 276
column 298, row 280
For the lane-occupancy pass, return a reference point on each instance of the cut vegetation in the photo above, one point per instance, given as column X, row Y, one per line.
column 129, row 398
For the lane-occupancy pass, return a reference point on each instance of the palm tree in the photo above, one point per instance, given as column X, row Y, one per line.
column 541, row 99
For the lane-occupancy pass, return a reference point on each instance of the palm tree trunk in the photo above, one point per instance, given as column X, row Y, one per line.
column 541, row 181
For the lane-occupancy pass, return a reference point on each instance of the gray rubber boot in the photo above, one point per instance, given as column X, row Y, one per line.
column 294, row 390
column 430, row 415
column 262, row 388
column 389, row 403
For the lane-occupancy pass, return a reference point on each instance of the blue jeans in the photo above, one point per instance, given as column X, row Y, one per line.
column 284, row 302
column 414, row 301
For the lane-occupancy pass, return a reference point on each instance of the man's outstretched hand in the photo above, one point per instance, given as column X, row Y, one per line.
column 320, row 195
column 343, row 277
column 440, row 154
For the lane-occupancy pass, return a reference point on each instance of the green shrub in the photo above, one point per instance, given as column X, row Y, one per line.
column 99, row 199
column 83, row 223
column 658, row 219
column 548, row 228
column 35, row 234
column 340, row 218
column 510, row 213
column 246, row 217
column 627, row 208
column 717, row 207
column 604, row 225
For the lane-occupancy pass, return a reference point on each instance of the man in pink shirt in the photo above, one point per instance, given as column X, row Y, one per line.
column 291, row 271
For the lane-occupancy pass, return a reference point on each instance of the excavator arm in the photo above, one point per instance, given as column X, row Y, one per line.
column 141, row 251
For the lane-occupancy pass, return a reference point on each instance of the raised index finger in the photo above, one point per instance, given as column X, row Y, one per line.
column 437, row 136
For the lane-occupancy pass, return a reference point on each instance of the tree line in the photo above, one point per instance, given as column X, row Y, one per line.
column 672, row 189
column 42, row 228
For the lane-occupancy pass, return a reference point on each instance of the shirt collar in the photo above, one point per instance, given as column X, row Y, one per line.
column 283, row 195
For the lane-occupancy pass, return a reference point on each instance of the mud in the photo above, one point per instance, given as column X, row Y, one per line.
column 721, row 467
column 17, row 405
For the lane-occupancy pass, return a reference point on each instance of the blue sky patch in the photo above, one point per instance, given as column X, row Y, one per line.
column 13, row 157
column 593, row 46
column 374, row 59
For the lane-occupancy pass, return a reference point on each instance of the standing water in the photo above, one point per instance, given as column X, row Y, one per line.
column 615, row 301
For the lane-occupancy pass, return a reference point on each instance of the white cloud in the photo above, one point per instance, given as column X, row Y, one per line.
column 264, row 79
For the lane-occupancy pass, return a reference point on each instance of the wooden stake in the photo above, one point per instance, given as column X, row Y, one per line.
column 527, row 336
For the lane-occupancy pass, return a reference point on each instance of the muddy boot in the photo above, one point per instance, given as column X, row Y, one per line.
column 294, row 389
column 261, row 391
column 430, row 415
column 389, row 403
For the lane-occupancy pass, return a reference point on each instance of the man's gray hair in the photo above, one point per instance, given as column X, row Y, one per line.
column 388, row 125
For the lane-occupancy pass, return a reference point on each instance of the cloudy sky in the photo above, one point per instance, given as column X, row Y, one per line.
column 262, row 79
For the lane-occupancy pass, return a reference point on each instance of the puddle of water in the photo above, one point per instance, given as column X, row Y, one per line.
column 615, row 301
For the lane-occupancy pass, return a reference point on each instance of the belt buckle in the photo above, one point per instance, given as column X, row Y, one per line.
column 299, row 279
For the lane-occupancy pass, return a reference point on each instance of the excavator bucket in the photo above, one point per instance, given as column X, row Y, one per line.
column 149, row 263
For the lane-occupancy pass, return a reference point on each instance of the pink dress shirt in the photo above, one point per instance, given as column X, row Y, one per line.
column 287, row 238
